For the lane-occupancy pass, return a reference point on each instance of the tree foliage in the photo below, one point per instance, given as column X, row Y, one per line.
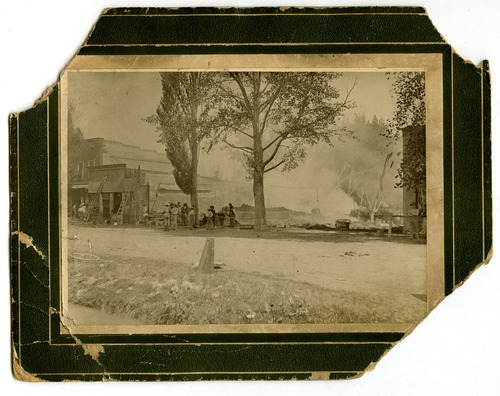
column 276, row 113
column 178, row 153
column 412, row 173
column 180, row 119
column 409, row 121
column 409, row 88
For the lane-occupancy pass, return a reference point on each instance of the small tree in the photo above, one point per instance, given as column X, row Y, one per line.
column 179, row 120
column 271, row 117
column 372, row 195
column 348, row 180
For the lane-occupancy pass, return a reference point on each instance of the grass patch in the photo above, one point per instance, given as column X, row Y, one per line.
column 158, row 292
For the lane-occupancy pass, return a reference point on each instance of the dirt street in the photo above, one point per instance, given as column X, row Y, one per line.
column 364, row 264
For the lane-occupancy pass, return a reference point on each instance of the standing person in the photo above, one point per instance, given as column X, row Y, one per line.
column 224, row 216
column 191, row 216
column 174, row 212
column 212, row 210
column 166, row 217
column 184, row 214
column 210, row 219
column 82, row 211
column 414, row 220
column 145, row 214
column 178, row 211
column 423, row 215
column 232, row 215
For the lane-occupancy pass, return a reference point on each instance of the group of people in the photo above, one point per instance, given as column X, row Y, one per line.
column 79, row 212
column 212, row 218
column 177, row 214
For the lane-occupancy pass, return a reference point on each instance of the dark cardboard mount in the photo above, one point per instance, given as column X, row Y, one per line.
column 41, row 352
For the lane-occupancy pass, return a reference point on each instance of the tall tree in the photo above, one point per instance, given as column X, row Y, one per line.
column 409, row 122
column 271, row 117
column 179, row 120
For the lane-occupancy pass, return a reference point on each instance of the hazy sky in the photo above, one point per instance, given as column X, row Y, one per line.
column 113, row 105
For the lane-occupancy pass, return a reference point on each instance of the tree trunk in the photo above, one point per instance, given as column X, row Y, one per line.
column 258, row 165
column 194, row 179
column 194, row 143
column 258, row 197
column 372, row 216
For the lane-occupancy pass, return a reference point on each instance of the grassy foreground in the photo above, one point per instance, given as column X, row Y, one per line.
column 157, row 292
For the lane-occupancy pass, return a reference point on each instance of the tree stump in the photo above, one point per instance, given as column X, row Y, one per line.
column 207, row 257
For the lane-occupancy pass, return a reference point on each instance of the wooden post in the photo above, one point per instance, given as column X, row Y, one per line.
column 132, row 197
column 71, row 203
column 101, row 208
column 416, row 219
column 207, row 257
column 389, row 230
column 111, row 204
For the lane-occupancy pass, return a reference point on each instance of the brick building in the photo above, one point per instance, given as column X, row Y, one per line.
column 147, row 176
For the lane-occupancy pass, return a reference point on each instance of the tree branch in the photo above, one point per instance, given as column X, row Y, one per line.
column 380, row 202
column 273, row 141
column 265, row 88
column 227, row 125
column 230, row 94
column 275, row 151
column 269, row 102
column 274, row 166
column 347, row 95
column 243, row 148
column 237, row 78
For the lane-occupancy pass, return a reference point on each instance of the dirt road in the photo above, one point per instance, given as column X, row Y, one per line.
column 364, row 264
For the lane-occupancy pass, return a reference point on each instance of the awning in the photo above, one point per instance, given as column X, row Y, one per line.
column 79, row 186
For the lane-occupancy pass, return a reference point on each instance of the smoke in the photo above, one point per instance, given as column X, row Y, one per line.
column 332, row 203
column 313, row 184
column 316, row 183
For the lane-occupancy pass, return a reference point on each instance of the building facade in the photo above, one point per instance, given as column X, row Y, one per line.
column 148, row 177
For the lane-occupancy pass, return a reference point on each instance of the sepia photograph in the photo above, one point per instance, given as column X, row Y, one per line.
column 246, row 197
column 251, row 194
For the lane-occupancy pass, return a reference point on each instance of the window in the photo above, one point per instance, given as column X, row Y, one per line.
column 79, row 169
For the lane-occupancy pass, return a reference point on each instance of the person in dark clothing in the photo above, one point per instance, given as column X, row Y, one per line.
column 423, row 219
column 414, row 212
column 232, row 215
column 209, row 218
column 184, row 214
column 212, row 209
